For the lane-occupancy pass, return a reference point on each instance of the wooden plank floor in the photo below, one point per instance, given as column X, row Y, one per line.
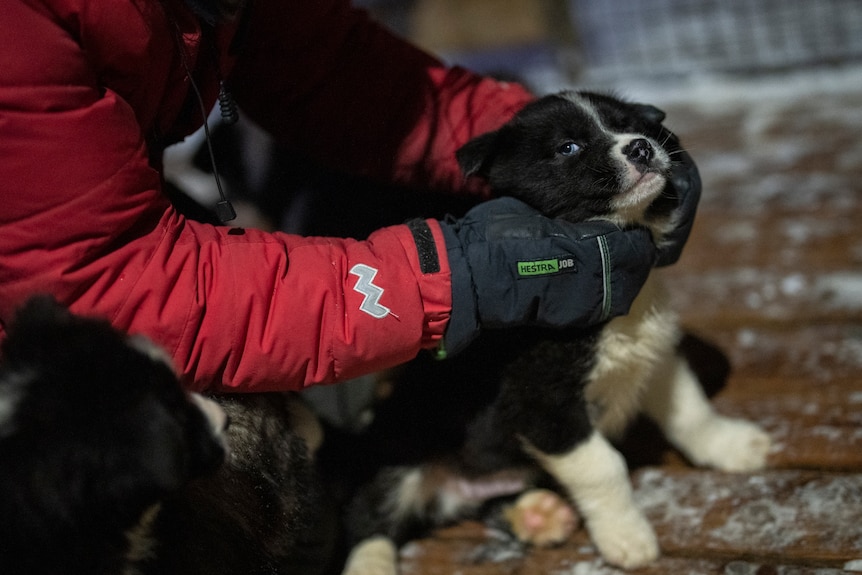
column 770, row 288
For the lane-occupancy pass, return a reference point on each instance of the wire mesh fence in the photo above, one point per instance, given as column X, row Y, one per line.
column 681, row 36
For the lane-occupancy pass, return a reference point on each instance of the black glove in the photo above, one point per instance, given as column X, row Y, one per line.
column 511, row 266
column 685, row 180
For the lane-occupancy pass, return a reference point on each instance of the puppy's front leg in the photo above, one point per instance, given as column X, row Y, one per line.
column 675, row 400
column 373, row 556
column 596, row 477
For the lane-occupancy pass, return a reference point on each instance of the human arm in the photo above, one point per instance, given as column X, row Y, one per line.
column 330, row 82
column 84, row 218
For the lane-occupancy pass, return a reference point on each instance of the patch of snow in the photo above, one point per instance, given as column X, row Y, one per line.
column 767, row 512
column 793, row 285
column 746, row 568
column 746, row 338
column 771, row 524
column 841, row 290
column 718, row 93
column 411, row 550
column 594, row 567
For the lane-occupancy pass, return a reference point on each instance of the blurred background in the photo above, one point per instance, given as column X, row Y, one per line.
column 658, row 51
column 557, row 42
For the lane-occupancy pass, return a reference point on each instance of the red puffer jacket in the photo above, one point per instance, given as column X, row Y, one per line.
column 90, row 93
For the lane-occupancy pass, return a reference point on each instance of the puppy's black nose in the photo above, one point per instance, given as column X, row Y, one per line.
column 639, row 152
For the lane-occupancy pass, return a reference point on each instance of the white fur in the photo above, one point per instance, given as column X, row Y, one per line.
column 142, row 545
column 586, row 106
column 407, row 497
column 451, row 495
column 596, row 477
column 629, row 350
column 373, row 556
column 215, row 415
column 677, row 403
column 640, row 189
column 637, row 367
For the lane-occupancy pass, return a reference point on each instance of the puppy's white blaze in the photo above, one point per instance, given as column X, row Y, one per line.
column 640, row 189
column 587, row 107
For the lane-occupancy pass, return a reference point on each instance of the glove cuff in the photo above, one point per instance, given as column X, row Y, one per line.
column 463, row 326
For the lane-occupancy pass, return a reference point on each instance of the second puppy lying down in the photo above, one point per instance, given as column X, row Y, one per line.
column 524, row 401
column 108, row 467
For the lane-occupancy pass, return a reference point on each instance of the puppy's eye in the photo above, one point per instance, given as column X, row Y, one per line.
column 568, row 149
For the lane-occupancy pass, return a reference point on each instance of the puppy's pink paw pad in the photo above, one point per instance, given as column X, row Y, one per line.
column 542, row 518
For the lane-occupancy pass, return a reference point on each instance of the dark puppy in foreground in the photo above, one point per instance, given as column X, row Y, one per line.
column 521, row 404
column 107, row 466
column 94, row 432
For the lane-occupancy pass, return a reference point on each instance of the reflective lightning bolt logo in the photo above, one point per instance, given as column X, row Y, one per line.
column 371, row 301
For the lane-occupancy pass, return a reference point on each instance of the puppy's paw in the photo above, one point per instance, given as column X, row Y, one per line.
column 730, row 445
column 541, row 517
column 374, row 556
column 625, row 540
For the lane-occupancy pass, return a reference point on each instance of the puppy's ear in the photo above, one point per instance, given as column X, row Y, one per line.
column 40, row 312
column 475, row 157
column 32, row 330
column 650, row 113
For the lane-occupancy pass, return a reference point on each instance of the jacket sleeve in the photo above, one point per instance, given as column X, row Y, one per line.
column 332, row 83
column 274, row 311
column 83, row 218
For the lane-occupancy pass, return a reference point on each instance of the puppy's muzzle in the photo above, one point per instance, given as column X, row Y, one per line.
column 639, row 152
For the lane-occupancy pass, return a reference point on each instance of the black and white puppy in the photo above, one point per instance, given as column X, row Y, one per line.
column 456, row 433
column 95, row 431
column 107, row 466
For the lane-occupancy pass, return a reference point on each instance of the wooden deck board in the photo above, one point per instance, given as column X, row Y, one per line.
column 807, row 516
column 770, row 291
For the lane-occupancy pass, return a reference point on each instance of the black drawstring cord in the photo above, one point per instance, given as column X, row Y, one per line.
column 224, row 209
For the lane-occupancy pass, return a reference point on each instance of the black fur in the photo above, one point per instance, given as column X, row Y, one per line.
column 523, row 158
column 94, row 433
column 98, row 440
column 263, row 513
column 468, row 416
